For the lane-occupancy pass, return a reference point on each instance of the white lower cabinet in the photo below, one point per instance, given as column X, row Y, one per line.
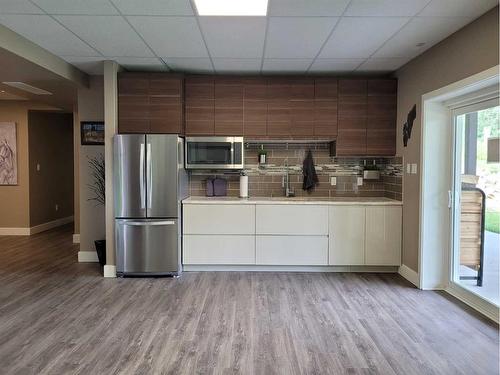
column 292, row 235
column 347, row 235
column 294, row 219
column 292, row 250
column 218, row 249
column 383, row 236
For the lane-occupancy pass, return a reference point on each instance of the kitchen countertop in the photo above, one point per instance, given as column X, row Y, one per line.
column 295, row 200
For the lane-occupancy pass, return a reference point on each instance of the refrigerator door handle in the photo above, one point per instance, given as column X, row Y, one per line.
column 145, row 223
column 149, row 174
column 141, row 175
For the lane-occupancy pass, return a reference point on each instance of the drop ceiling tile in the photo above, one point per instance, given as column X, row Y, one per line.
column 307, row 7
column 335, row 65
column 110, row 35
column 297, row 37
column 19, row 7
column 237, row 65
column 139, row 63
column 191, row 65
column 93, row 7
column 458, row 8
column 154, row 7
column 286, row 65
column 382, row 65
column 428, row 30
column 358, row 37
column 234, row 37
column 89, row 65
column 171, row 36
column 387, row 8
column 48, row 34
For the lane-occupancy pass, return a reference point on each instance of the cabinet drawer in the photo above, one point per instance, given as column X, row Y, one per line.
column 220, row 249
column 292, row 219
column 219, row 219
column 292, row 250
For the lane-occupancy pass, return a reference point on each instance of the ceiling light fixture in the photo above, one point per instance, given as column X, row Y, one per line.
column 25, row 87
column 231, row 7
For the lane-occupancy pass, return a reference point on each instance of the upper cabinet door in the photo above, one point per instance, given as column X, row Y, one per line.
column 228, row 106
column 381, row 121
column 351, row 139
column 200, row 105
column 150, row 103
column 255, row 106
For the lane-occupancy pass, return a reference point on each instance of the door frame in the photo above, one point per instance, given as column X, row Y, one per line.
column 473, row 106
column 435, row 181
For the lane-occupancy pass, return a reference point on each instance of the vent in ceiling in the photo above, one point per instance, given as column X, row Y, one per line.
column 28, row 88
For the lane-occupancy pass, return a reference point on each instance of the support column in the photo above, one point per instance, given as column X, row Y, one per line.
column 111, row 127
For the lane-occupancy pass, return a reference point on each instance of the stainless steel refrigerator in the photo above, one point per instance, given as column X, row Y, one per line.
column 149, row 183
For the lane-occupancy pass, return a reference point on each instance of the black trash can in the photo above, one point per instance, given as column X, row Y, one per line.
column 100, row 247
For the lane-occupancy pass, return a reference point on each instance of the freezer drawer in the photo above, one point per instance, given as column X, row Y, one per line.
column 149, row 247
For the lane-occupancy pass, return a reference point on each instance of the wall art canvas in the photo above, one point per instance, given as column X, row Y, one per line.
column 8, row 153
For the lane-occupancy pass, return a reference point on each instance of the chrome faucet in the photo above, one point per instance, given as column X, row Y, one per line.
column 286, row 182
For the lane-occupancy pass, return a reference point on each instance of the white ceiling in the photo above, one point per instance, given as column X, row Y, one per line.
column 299, row 36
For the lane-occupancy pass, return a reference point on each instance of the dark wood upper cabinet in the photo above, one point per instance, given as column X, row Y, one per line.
column 228, row 106
column 382, row 87
column 381, row 117
column 367, row 117
column 359, row 113
column 200, row 105
column 352, row 87
column 326, row 89
column 150, row 103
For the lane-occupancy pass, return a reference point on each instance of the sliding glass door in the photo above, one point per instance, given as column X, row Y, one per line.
column 475, row 200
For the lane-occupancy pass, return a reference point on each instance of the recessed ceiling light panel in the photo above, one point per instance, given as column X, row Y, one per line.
column 231, row 7
column 25, row 87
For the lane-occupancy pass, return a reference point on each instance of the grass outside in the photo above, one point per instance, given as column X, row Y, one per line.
column 492, row 221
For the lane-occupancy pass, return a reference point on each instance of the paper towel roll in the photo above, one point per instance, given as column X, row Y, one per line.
column 243, row 186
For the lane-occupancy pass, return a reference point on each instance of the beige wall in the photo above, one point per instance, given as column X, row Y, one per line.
column 92, row 215
column 470, row 50
column 50, row 148
column 14, row 200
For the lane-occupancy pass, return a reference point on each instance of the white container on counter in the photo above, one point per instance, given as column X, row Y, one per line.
column 243, row 186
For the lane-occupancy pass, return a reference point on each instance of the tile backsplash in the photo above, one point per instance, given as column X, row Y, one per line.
column 267, row 180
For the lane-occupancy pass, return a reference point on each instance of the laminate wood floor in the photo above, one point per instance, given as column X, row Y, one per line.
column 61, row 317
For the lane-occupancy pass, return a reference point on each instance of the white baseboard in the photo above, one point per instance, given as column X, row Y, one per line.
column 409, row 275
column 87, row 256
column 51, row 224
column 76, row 238
column 109, row 270
column 250, row 268
column 14, row 231
column 477, row 303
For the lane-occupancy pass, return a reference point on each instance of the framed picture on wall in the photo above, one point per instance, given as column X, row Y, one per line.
column 8, row 153
column 92, row 132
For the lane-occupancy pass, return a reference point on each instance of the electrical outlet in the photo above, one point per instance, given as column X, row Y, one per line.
column 38, row 167
column 414, row 168
column 333, row 181
column 57, row 207
column 360, row 181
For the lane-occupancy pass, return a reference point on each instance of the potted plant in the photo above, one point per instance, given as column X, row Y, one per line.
column 98, row 195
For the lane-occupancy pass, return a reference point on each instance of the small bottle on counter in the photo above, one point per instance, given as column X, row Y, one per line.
column 243, row 185
column 262, row 155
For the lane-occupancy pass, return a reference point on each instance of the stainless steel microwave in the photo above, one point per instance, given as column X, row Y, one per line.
column 214, row 153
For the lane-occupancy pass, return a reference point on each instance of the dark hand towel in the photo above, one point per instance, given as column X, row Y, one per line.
column 309, row 172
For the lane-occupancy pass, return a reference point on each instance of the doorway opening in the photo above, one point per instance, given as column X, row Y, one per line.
column 476, row 203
